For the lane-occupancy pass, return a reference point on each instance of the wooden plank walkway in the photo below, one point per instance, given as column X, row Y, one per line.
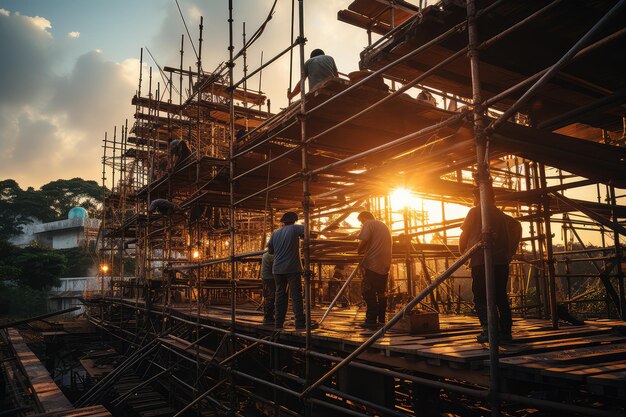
column 44, row 390
column 93, row 411
column 592, row 355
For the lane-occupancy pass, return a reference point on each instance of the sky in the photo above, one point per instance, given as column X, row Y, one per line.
column 69, row 68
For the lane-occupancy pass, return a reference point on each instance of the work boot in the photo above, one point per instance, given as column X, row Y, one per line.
column 370, row 325
column 302, row 326
column 483, row 337
column 506, row 336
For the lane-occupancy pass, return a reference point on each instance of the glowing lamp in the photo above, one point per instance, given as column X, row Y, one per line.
column 104, row 268
column 196, row 254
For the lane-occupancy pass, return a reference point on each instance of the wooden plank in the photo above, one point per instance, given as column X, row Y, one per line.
column 45, row 391
column 581, row 372
column 92, row 411
column 614, row 379
column 474, row 352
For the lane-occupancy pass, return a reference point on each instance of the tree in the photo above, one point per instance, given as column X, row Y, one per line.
column 8, row 271
column 62, row 195
column 19, row 207
column 39, row 268
column 51, row 202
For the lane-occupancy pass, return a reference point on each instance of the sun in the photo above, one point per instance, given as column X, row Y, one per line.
column 401, row 198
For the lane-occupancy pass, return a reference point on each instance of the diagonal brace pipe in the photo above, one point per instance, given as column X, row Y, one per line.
column 616, row 227
column 406, row 310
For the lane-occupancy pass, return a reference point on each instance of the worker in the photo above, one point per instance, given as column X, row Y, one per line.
column 162, row 206
column 506, row 235
column 426, row 96
column 318, row 68
column 335, row 284
column 179, row 150
column 284, row 244
column 375, row 245
column 269, row 289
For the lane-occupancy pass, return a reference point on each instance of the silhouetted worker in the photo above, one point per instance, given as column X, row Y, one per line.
column 375, row 244
column 179, row 151
column 162, row 206
column 425, row 95
column 317, row 68
column 335, row 283
column 269, row 289
column 507, row 233
column 284, row 244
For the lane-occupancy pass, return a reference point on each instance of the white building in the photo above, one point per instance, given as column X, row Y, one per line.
column 69, row 293
column 76, row 231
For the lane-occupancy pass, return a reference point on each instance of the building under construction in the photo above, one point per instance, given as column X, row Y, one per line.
column 527, row 96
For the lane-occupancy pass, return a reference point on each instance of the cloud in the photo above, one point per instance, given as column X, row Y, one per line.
column 73, row 35
column 4, row 12
column 52, row 124
column 27, row 52
column 40, row 23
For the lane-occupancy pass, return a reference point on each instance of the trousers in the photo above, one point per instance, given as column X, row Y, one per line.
column 374, row 289
column 479, row 289
column 291, row 283
column 269, row 299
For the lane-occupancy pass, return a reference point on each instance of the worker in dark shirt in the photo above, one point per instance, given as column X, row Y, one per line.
column 179, row 151
column 162, row 206
column 318, row 68
column 507, row 233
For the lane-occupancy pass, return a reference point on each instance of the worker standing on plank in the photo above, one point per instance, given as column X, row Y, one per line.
column 507, row 233
column 375, row 244
column 284, row 244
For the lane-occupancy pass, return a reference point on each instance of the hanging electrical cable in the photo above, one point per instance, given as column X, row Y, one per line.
column 258, row 32
column 187, row 29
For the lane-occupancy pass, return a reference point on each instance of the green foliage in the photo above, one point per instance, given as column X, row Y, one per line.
column 79, row 263
column 51, row 202
column 8, row 271
column 62, row 195
column 39, row 268
column 19, row 302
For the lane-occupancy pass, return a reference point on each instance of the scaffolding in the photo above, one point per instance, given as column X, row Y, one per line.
column 534, row 126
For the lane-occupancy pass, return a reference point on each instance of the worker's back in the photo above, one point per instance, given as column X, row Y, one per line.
column 319, row 68
column 284, row 243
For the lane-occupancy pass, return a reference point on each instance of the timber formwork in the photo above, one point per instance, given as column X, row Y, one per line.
column 533, row 101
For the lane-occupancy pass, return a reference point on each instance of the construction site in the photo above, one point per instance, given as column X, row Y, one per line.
column 525, row 97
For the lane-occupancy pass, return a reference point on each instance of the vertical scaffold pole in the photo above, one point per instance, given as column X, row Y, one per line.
column 104, row 211
column 482, row 161
column 618, row 255
column 545, row 208
column 233, row 288
column 306, row 250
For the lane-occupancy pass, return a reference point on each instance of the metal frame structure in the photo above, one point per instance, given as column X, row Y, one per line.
column 207, row 248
